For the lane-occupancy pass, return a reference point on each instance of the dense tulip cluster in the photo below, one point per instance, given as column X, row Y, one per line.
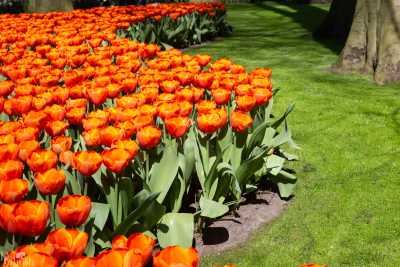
column 76, row 97
column 68, row 245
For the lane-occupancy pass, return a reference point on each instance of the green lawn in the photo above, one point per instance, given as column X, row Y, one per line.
column 346, row 211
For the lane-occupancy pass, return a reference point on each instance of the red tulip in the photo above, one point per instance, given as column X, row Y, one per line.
column 119, row 258
column 11, row 169
column 31, row 217
column 81, row 262
column 141, row 244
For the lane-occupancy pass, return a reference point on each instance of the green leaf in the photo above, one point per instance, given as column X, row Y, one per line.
column 212, row 209
column 283, row 117
column 249, row 167
column 129, row 221
column 164, row 173
column 274, row 164
column 176, row 229
column 100, row 212
column 126, row 191
column 72, row 183
column 255, row 138
column 268, row 136
column 286, row 189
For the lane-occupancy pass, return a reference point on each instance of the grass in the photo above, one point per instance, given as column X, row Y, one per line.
column 346, row 211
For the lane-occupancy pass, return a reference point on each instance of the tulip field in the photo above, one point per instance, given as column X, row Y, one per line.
column 114, row 149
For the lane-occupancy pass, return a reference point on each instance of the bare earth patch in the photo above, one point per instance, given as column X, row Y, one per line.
column 234, row 229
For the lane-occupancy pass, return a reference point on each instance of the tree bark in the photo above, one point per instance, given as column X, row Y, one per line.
column 48, row 5
column 338, row 21
column 373, row 45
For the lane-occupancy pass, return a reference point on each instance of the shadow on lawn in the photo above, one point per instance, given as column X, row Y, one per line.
column 308, row 16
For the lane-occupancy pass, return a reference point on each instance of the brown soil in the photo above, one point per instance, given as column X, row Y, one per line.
column 232, row 230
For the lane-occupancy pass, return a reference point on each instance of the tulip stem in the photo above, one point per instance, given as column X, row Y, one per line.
column 52, row 209
column 146, row 162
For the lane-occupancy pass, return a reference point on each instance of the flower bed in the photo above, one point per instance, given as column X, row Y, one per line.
column 108, row 137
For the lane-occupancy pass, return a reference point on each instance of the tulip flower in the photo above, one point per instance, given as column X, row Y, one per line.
column 176, row 256
column 119, row 258
column 11, row 169
column 177, row 126
column 221, row 96
column 26, row 148
column 14, row 190
column 73, row 210
column 205, row 106
column 128, row 145
column 42, row 248
column 67, row 243
column 204, row 79
column 240, row 121
column 119, row 241
column 8, row 152
column 141, row 244
column 87, row 162
column 42, row 160
column 26, row 134
column 262, row 95
column 110, row 134
column 245, row 103
column 31, row 260
column 116, row 159
column 81, row 262
column 50, row 182
column 61, row 144
column 168, row 110
column 30, row 217
column 149, row 137
column 55, row 128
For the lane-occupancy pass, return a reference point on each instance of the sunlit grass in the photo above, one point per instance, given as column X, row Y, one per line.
column 346, row 211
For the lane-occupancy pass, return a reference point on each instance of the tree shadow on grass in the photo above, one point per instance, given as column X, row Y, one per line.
column 308, row 16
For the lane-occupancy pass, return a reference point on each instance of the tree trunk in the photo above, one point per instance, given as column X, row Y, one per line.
column 373, row 45
column 337, row 23
column 48, row 5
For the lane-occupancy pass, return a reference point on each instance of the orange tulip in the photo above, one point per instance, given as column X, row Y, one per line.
column 92, row 137
column 8, row 152
column 176, row 256
column 141, row 244
column 26, row 134
column 240, row 121
column 116, row 159
column 128, row 145
column 142, row 121
column 120, row 241
column 169, row 86
column 262, row 95
column 54, row 128
column 312, row 265
column 245, row 103
column 75, row 115
column 203, row 60
column 26, row 148
column 119, row 258
column 6, row 87
column 211, row 122
column 61, row 143
column 21, row 104
column 31, row 260
column 31, row 217
column 205, row 106
column 66, row 158
column 67, row 243
column 243, row 89
column 56, row 112
column 93, row 123
column 35, row 248
column 11, row 169
column 42, row 160
column 7, row 219
column 177, row 126
column 110, row 134
column 97, row 95
column 35, row 118
column 204, row 79
column 221, row 96
column 168, row 110
column 7, row 139
column 87, row 162
column 73, row 210
column 13, row 190
column 149, row 137
column 9, row 127
column 81, row 262
column 50, row 182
